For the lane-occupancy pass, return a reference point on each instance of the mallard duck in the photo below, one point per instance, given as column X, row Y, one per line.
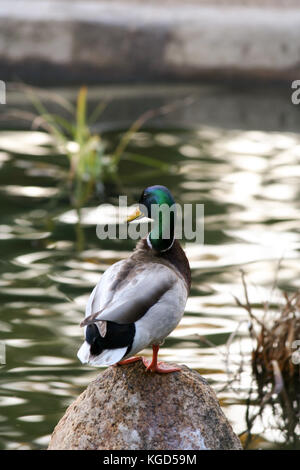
column 140, row 300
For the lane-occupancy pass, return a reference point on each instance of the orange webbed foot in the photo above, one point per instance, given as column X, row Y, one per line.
column 128, row 361
column 159, row 367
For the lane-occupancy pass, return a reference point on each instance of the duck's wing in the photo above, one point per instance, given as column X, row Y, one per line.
column 129, row 299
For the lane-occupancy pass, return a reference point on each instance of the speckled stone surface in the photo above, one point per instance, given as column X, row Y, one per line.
column 127, row 408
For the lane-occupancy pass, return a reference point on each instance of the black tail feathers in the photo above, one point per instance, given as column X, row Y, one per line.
column 116, row 336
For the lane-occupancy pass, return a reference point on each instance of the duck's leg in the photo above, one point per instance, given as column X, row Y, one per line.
column 160, row 367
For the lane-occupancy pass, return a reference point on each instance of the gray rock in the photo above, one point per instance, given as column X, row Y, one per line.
column 126, row 408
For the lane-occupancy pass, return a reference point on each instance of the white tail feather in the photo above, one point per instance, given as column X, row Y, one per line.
column 84, row 353
column 106, row 358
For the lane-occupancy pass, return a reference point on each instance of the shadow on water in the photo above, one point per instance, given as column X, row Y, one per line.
column 248, row 181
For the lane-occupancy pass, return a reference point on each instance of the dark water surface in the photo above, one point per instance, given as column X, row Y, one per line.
column 247, row 179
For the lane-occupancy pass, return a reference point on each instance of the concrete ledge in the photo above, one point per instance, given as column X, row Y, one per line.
column 62, row 42
column 265, row 108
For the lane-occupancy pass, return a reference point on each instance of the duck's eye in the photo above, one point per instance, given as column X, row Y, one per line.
column 143, row 197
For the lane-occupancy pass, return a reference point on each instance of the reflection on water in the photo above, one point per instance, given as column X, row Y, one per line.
column 249, row 183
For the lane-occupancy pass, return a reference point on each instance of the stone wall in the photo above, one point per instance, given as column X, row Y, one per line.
column 62, row 42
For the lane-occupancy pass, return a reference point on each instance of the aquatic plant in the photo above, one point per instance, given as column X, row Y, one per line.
column 276, row 340
column 89, row 162
column 275, row 361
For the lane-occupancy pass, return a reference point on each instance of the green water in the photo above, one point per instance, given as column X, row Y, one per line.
column 248, row 181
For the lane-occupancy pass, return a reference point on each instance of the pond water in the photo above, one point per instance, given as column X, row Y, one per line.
column 248, row 181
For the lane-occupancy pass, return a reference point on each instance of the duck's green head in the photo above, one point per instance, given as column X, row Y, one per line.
column 155, row 195
column 157, row 203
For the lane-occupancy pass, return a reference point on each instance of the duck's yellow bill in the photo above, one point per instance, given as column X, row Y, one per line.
column 134, row 216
